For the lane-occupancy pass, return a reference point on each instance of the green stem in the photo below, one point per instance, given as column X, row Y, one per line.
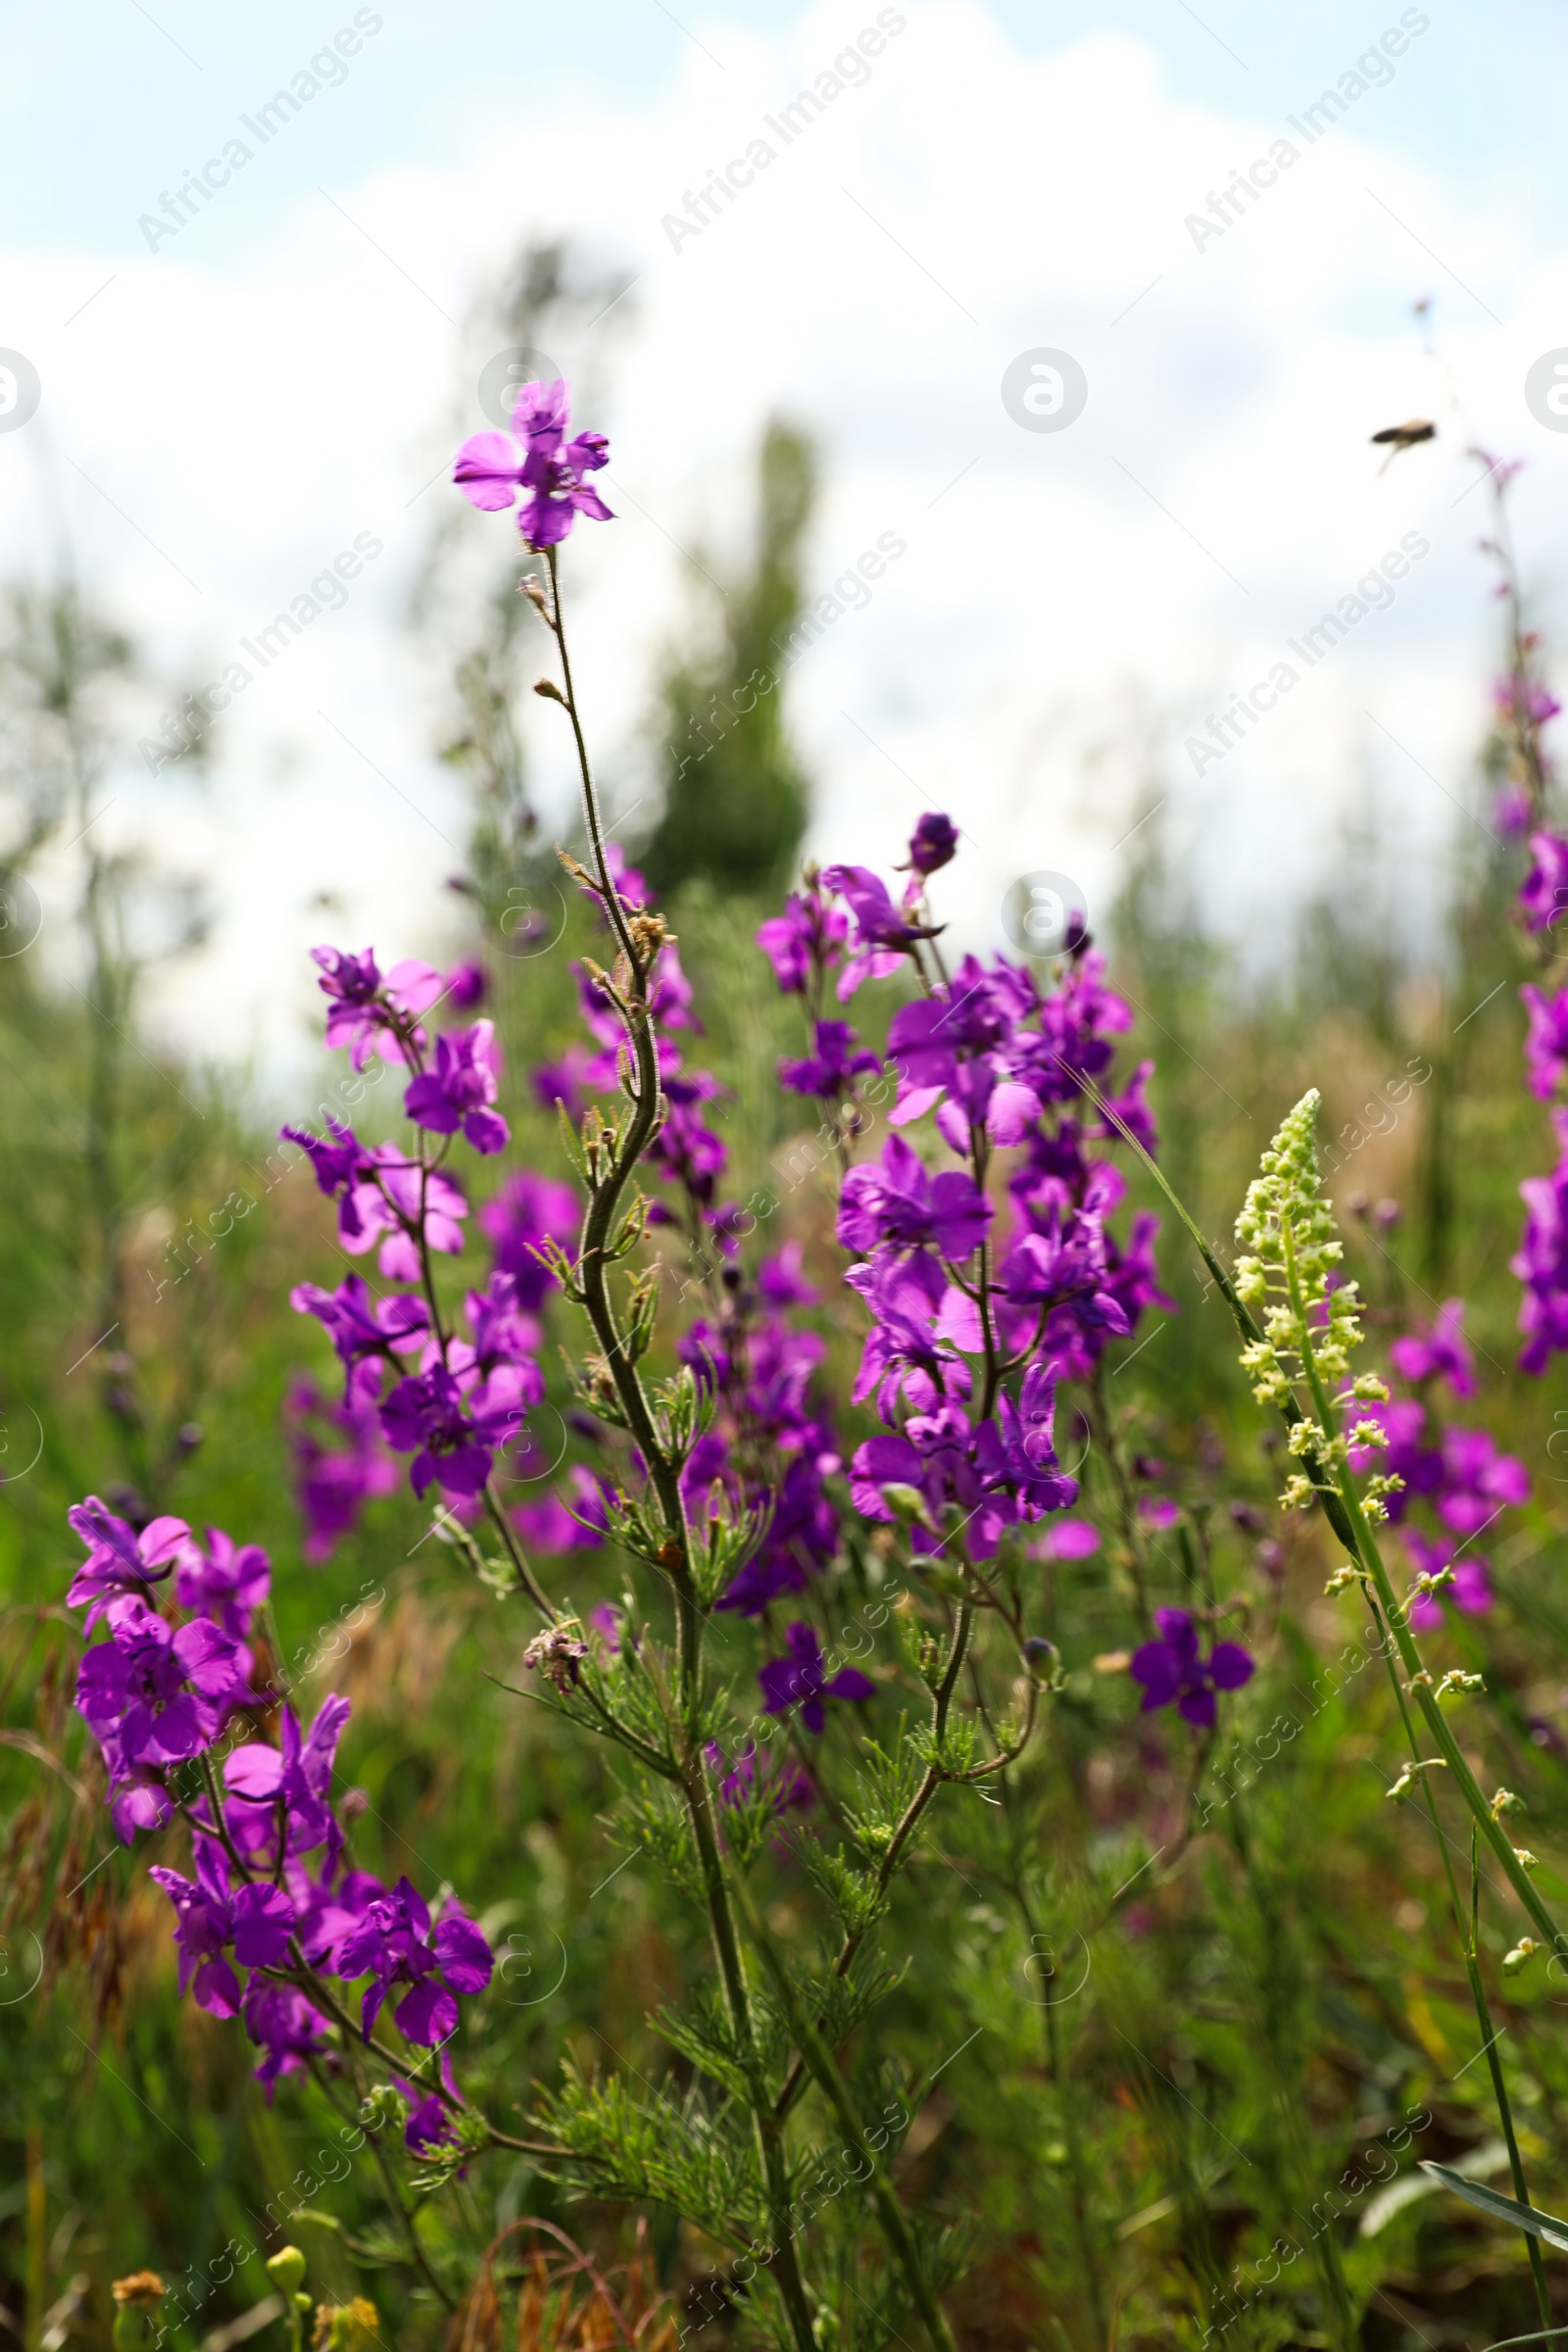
column 904, row 1831
column 1478, row 1994
column 664, row 1478
column 1342, row 1507
column 819, row 2061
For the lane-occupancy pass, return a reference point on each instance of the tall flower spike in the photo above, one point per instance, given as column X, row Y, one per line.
column 1306, row 1309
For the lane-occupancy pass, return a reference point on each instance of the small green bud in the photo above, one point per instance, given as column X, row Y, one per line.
column 1505, row 1801
column 382, row 2106
column 1043, row 1660
column 908, row 1504
column 286, row 2269
column 1524, row 1950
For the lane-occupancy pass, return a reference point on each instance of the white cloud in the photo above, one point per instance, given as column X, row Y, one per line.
column 249, row 406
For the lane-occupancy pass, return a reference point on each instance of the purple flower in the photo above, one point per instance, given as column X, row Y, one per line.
column 799, row 1680
column 554, row 1524
column 912, row 1348
column 1544, row 893
column 1470, row 1591
column 394, row 1945
column 882, row 934
column 291, row 1785
column 898, row 1200
column 972, row 1027
column 138, row 1798
column 1026, row 1455
column 1171, row 1669
column 467, row 985
column 526, row 1212
column 367, row 1332
column 425, row 1416
column 1408, row 1454
column 353, row 984
column 786, row 1785
column 430, row 2127
column 329, row 1908
column 1477, row 1482
column 165, row 1693
column 565, row 1080
column 285, row 2025
column 1546, row 1039
column 504, row 1346
column 213, row 1913
column 1064, row 1266
column 950, row 1462
column 1511, row 812
column 1068, row 1540
column 1541, row 1261
column 119, row 1561
column 380, row 1191
column 1440, row 1353
column 332, row 1485
column 806, row 939
column 832, row 1066
column 932, row 844
column 536, row 458
column 457, row 1092
column 226, row 1582
column 365, row 1005
column 1526, row 700
column 781, row 1283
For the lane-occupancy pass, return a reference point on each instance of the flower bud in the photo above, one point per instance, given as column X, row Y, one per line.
column 910, row 1504
column 143, row 2290
column 1525, row 1950
column 286, row 2269
column 136, row 2298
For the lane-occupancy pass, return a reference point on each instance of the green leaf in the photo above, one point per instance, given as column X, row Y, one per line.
column 1502, row 2209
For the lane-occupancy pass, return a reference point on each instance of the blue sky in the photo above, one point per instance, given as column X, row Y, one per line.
column 224, row 415
column 101, row 105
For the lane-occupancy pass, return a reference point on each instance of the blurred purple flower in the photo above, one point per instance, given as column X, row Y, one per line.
column 1439, row 1353
column 806, row 939
column 799, row 1680
column 467, row 985
column 1170, row 1669
column 528, row 1210
column 225, row 1581
column 1544, row 893
column 832, row 1065
column 1546, row 1039
column 932, row 844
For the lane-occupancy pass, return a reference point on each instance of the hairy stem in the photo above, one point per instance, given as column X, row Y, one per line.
column 664, row 1474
